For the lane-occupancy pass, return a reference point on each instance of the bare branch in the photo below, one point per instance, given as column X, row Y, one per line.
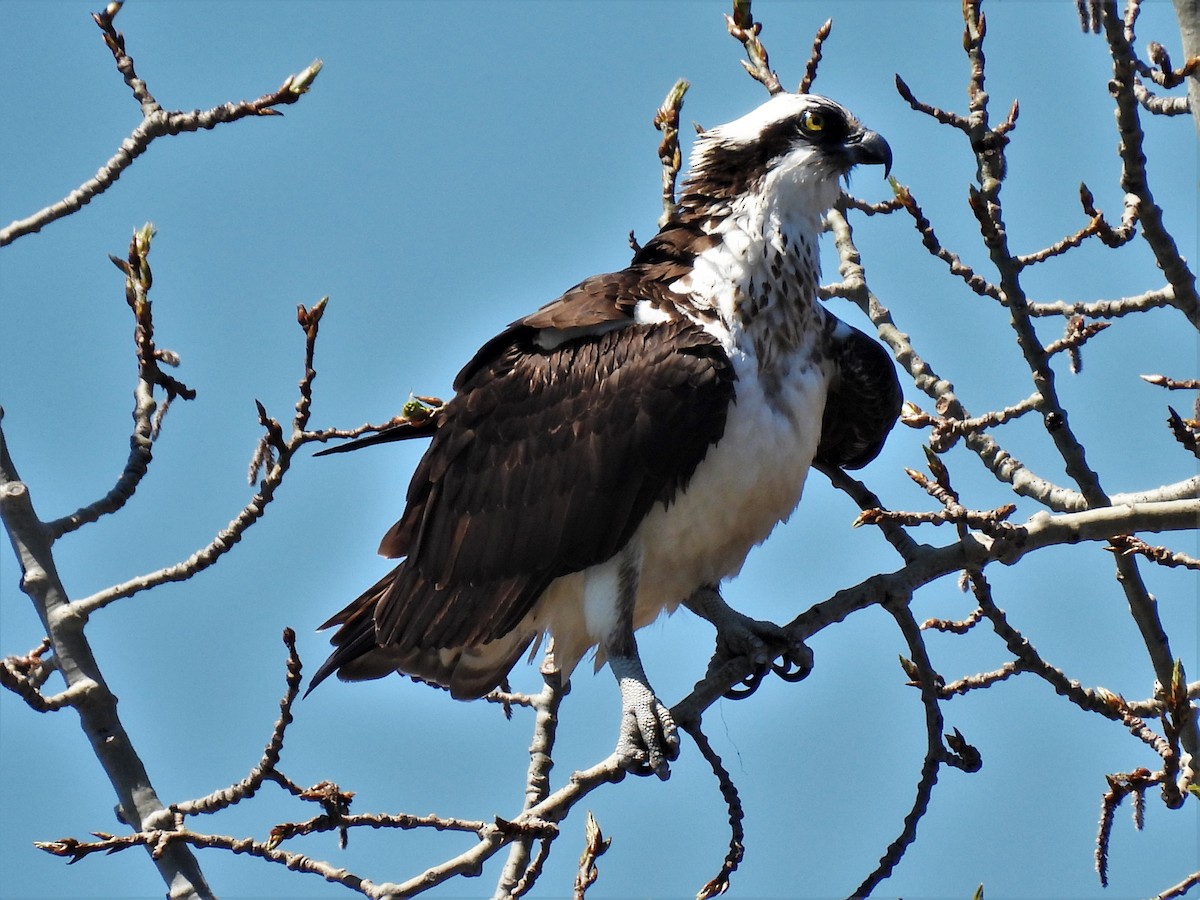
column 719, row 883
column 162, row 843
column 1162, row 72
column 849, row 201
column 1097, row 227
column 666, row 120
column 1144, row 610
column 1161, row 106
column 929, row 239
column 935, row 752
column 1127, row 543
column 814, row 58
column 986, row 521
column 24, row 680
column 1173, row 384
column 743, row 27
column 274, row 454
column 1134, row 179
column 1003, row 465
column 1181, row 888
column 1078, row 333
column 1105, row 309
column 25, row 675
column 115, row 41
column 962, row 626
column 139, row 804
column 946, row 118
column 596, row 845
column 156, row 122
column 867, row 499
column 946, row 431
column 537, row 779
column 138, row 280
column 266, row 768
column 982, row 680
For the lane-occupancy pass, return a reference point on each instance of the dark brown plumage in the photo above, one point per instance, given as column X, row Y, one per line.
column 519, row 444
column 620, row 450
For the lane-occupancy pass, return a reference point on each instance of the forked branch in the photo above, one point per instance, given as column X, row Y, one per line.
column 156, row 122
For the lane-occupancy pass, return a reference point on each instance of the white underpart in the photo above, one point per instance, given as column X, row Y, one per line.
column 602, row 585
column 752, row 478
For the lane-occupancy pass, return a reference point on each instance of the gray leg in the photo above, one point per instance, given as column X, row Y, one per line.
column 647, row 739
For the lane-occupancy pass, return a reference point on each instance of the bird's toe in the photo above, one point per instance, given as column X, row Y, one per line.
column 648, row 739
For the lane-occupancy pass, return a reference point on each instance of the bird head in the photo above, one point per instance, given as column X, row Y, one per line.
column 793, row 143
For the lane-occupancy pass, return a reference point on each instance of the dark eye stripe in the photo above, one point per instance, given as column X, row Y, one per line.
column 732, row 169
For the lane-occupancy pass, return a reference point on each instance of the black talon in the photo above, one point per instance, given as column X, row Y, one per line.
column 747, row 685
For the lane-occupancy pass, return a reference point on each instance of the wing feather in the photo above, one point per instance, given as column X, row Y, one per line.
column 564, row 431
column 863, row 402
column 544, row 463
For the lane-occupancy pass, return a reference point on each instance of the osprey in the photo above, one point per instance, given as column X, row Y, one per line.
column 619, row 451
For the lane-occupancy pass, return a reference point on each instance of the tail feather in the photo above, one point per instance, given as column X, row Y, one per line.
column 403, row 430
column 467, row 672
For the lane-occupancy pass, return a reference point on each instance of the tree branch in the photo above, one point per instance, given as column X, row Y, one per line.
column 1134, row 179
column 156, row 123
column 87, row 690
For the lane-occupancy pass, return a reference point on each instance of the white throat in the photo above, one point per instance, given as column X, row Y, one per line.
column 761, row 279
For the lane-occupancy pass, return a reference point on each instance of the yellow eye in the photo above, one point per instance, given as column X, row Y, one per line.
column 812, row 122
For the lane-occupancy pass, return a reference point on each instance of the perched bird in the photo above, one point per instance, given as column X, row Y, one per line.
column 619, row 451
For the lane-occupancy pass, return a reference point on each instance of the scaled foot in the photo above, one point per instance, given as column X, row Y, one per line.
column 648, row 739
column 767, row 645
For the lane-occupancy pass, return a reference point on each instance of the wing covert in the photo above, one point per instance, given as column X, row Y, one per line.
column 863, row 402
column 544, row 463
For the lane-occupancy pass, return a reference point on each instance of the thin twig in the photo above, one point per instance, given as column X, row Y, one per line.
column 935, row 753
column 1181, row 888
column 981, row 680
column 666, row 120
column 1128, row 543
column 1105, row 309
column 946, row 430
column 743, row 27
column 595, row 846
column 929, row 239
column 1078, row 332
column 147, row 414
column 275, row 453
column 1134, row 178
column 814, row 57
column 719, row 883
column 1172, row 384
column 266, row 768
column 156, row 123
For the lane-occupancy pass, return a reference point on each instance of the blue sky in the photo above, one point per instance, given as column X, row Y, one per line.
column 455, row 166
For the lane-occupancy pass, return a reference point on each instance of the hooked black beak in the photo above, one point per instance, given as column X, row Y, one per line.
column 869, row 148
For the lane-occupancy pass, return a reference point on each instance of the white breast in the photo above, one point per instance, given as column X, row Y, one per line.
column 752, row 478
column 750, row 481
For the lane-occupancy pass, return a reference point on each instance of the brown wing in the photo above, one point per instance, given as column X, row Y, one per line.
column 608, row 300
column 544, row 463
column 863, row 402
